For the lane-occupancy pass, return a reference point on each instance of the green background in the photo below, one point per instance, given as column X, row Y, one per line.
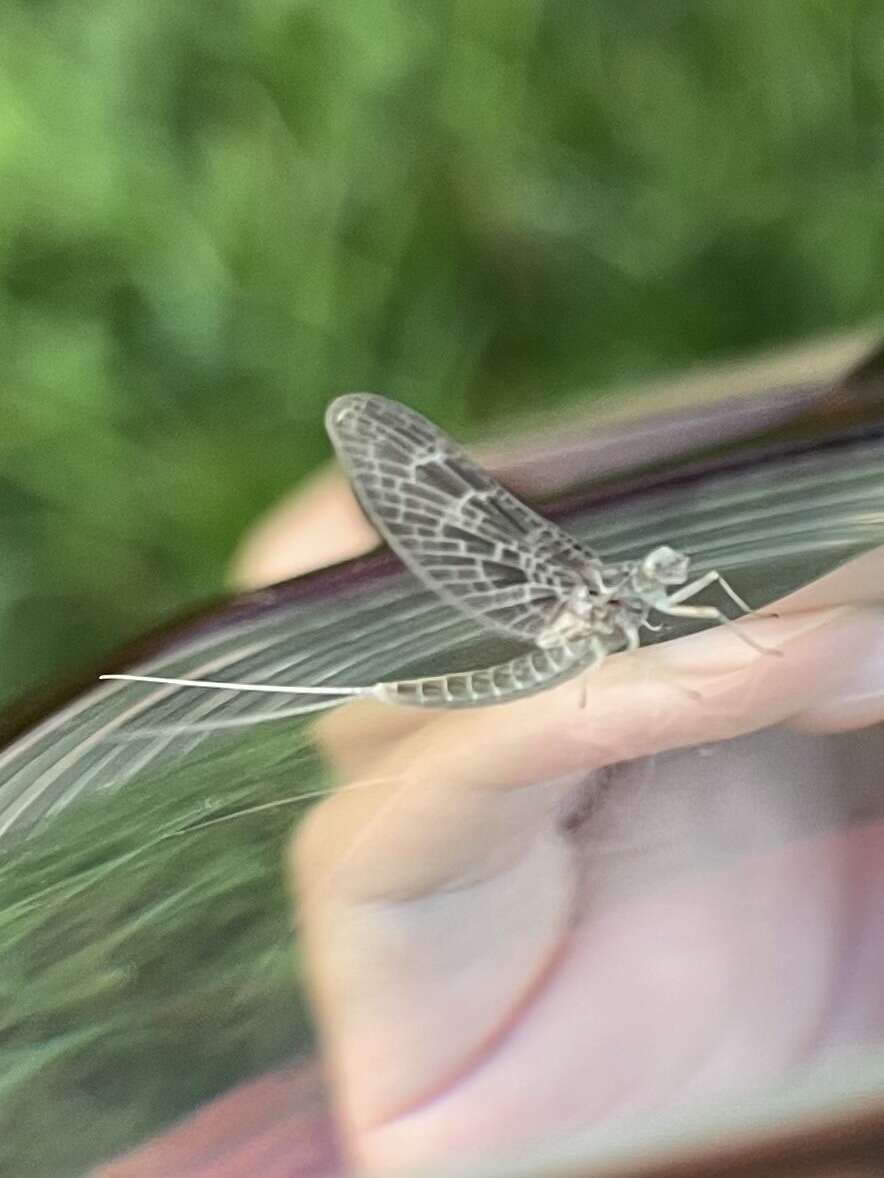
column 216, row 216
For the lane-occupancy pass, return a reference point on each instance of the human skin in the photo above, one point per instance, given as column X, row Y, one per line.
column 506, row 939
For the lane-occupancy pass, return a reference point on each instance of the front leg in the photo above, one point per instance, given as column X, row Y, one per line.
column 619, row 574
column 673, row 610
column 701, row 583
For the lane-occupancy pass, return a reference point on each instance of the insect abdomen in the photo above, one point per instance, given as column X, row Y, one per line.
column 524, row 675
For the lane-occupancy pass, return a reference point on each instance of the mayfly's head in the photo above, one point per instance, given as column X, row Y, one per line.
column 666, row 566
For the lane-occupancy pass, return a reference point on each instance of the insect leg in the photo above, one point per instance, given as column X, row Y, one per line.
column 595, row 655
column 674, row 610
column 701, row 583
column 631, row 634
column 610, row 590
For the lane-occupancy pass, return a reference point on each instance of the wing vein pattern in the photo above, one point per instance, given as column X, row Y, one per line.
column 453, row 525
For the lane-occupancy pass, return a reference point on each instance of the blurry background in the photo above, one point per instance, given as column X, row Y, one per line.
column 216, row 216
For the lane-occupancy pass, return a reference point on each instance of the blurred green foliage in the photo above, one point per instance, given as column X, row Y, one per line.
column 214, row 216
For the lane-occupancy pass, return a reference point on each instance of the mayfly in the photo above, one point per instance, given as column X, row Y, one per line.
column 490, row 556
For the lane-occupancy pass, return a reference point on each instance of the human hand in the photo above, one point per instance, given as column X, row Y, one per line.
column 525, row 919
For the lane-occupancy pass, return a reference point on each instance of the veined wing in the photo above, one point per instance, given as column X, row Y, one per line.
column 451, row 523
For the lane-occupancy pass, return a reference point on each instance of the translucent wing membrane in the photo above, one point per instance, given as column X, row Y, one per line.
column 466, row 537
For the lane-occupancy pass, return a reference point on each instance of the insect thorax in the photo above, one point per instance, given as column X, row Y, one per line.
column 613, row 601
column 585, row 613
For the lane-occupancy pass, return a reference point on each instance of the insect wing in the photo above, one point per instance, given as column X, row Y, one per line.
column 452, row 524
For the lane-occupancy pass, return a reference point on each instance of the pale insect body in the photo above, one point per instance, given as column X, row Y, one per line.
column 490, row 556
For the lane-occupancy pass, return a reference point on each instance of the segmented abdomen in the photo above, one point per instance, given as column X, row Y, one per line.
column 524, row 675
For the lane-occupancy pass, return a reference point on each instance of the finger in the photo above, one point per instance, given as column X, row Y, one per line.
column 858, row 702
column 636, row 706
column 859, row 581
column 319, row 524
column 352, row 738
column 460, row 848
